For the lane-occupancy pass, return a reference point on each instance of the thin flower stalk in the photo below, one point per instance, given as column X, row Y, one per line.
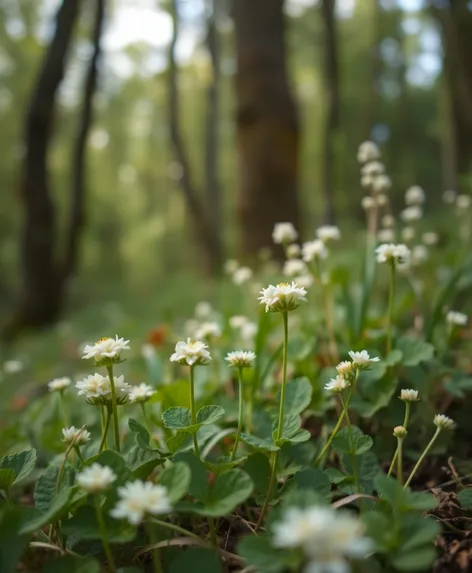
column 405, row 425
column 108, row 416
column 240, row 413
column 275, row 455
column 400, row 460
column 422, row 457
column 103, row 535
column 352, row 445
column 156, row 554
column 116, row 425
column 391, row 298
column 193, row 413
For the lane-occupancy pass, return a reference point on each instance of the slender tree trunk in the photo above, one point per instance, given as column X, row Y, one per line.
column 267, row 124
column 40, row 295
column 375, row 68
column 208, row 240
column 77, row 208
column 211, row 130
column 331, row 79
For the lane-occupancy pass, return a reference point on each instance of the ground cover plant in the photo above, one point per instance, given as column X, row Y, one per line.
column 302, row 425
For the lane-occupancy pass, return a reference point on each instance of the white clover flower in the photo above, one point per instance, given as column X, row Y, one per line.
column 284, row 233
column 140, row 498
column 367, row 181
column 415, row 195
column 381, row 183
column 381, row 199
column 327, row 233
column 409, row 395
column 294, row 267
column 141, row 393
column 386, row 235
column 314, row 250
column 231, row 266
column 283, row 297
column 293, row 251
column 413, row 213
column 463, row 202
column 346, row 369
column 248, row 331
column 240, row 358
column 203, row 309
column 362, row 359
column 388, row 221
column 242, row 275
column 12, row 366
column 368, row 151
column 373, row 169
column 238, row 321
column 327, row 537
column 392, row 252
column 76, row 436
column 453, row 317
column 444, row 422
column 304, row 281
column 419, row 254
column 97, row 388
column 400, row 432
column 59, row 384
column 192, row 352
column 408, row 234
column 449, row 196
column 368, row 203
column 208, row 330
column 96, row 478
column 106, row 349
column 430, row 238
column 338, row 384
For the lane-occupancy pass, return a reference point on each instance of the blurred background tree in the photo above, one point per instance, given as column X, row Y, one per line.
column 202, row 124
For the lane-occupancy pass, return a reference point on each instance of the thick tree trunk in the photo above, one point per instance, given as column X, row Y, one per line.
column 208, row 240
column 331, row 80
column 77, row 207
column 211, row 130
column 40, row 296
column 267, row 124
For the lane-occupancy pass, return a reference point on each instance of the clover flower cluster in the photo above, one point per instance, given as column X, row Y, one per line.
column 348, row 370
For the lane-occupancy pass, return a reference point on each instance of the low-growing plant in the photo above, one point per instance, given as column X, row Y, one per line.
column 295, row 455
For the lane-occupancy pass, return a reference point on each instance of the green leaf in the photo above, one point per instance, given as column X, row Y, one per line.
column 259, row 553
column 259, row 443
column 46, row 486
column 297, row 396
column 178, row 419
column 360, row 442
column 198, row 486
column 415, row 560
column 12, row 543
column 57, row 508
column 196, row 559
column 7, row 477
column 116, row 462
column 142, row 435
column 142, row 462
column 258, row 467
column 224, row 464
column 418, row 531
column 21, row 463
column 72, row 564
column 176, row 478
column 209, row 415
column 414, row 350
column 314, row 480
column 403, row 499
column 84, row 525
column 465, row 498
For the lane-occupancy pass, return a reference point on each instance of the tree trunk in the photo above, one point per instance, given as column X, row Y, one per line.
column 331, row 81
column 208, row 240
column 211, row 130
column 40, row 295
column 267, row 124
column 77, row 208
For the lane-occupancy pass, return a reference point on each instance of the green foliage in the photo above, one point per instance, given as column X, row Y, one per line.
column 297, row 396
column 197, row 559
column 355, row 442
column 414, row 351
column 176, row 478
column 259, row 553
column 72, row 564
column 180, row 419
column 84, row 526
column 21, row 463
column 49, row 485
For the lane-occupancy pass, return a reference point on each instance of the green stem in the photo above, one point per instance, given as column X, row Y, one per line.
column 240, row 413
column 423, row 455
column 269, row 490
column 176, row 528
column 405, row 425
column 352, row 445
column 105, row 430
column 102, row 417
column 63, row 409
column 400, row 461
column 156, row 557
column 103, row 534
column 192, row 410
column 330, row 439
column 116, row 425
column 390, row 306
column 79, row 455
column 284, row 377
column 211, row 523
